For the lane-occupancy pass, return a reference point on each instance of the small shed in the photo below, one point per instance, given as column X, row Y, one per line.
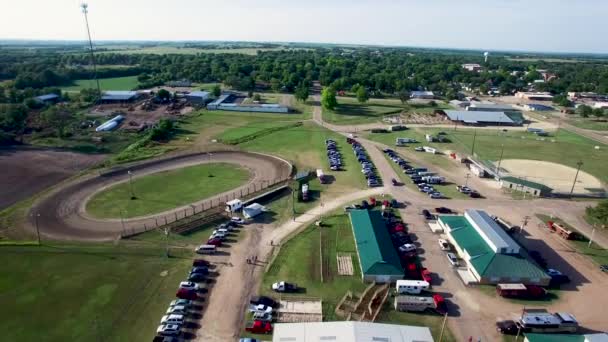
column 47, row 99
column 199, row 97
column 253, row 210
column 234, row 205
column 522, row 185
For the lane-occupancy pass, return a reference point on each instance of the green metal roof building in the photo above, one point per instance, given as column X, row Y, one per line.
column 518, row 184
column 600, row 337
column 377, row 257
column 485, row 264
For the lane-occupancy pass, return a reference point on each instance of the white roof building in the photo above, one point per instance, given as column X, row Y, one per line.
column 349, row 331
column 498, row 240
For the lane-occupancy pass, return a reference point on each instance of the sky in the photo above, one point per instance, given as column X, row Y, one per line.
column 526, row 25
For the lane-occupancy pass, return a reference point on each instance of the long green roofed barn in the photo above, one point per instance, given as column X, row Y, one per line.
column 377, row 257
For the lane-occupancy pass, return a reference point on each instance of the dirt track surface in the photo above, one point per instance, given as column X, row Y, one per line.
column 27, row 171
column 62, row 214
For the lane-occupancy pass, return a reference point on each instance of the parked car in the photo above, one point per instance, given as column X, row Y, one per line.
column 214, row 242
column 200, row 269
column 604, row 268
column 557, row 277
column 474, row 194
column 284, row 286
column 186, row 294
column 419, row 149
column 172, row 319
column 247, row 339
column 197, row 277
column 183, row 302
column 263, row 300
column 507, row 327
column 177, row 310
column 444, row 245
column 264, row 317
column 260, row 308
column 408, row 247
column 237, row 220
column 188, row 285
column 443, row 210
column 169, row 330
column 394, row 181
column 435, row 195
column 200, row 262
column 452, row 259
column 259, row 327
column 427, row 214
column 426, row 275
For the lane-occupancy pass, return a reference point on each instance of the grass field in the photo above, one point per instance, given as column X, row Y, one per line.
column 590, row 124
column 562, row 147
column 87, row 292
column 165, row 190
column 598, row 254
column 350, row 112
column 302, row 258
column 114, row 83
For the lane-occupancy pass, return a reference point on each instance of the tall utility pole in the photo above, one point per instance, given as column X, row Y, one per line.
column 85, row 11
column 36, row 216
column 499, row 161
column 131, row 184
column 578, row 164
column 473, row 146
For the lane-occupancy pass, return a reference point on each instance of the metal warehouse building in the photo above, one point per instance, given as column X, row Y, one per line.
column 377, row 257
column 198, row 97
column 491, row 255
column 349, row 332
column 532, row 188
column 112, row 96
column 476, row 117
column 489, row 107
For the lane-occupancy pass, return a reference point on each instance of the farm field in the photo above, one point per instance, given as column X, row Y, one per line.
column 350, row 112
column 114, row 83
column 109, row 292
column 563, row 147
column 300, row 261
column 166, row 190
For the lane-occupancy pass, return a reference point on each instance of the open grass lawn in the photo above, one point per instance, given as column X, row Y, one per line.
column 563, row 147
column 591, row 124
column 114, row 83
column 598, row 254
column 86, row 292
column 114, row 142
column 349, row 111
column 165, row 190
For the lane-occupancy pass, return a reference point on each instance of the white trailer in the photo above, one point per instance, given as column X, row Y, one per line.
column 253, row 210
column 234, row 205
column 404, row 141
column 430, row 149
column 433, row 179
column 411, row 286
column 477, row 171
column 429, row 138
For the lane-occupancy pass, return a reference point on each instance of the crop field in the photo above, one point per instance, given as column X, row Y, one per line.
column 166, row 190
column 113, row 83
column 563, row 147
column 87, row 292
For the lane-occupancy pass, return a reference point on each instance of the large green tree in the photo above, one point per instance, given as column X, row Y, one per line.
column 584, row 111
column 216, row 91
column 58, row 118
column 12, row 121
column 328, row 98
column 362, row 95
column 599, row 214
column 302, row 93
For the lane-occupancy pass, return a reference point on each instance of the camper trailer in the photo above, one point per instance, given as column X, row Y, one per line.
column 411, row 286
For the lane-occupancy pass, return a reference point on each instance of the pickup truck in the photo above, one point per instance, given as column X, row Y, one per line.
column 283, row 286
column 259, row 327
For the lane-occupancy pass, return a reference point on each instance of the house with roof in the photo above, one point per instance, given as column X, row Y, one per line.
column 491, row 256
column 429, row 95
column 47, row 98
column 526, row 186
column 199, row 97
column 378, row 258
column 485, row 118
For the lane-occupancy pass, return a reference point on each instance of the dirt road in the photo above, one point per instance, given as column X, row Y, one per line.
column 62, row 212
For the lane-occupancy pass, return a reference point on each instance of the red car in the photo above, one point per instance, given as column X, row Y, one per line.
column 214, row 242
column 426, row 275
column 372, row 201
column 259, row 327
column 399, row 227
column 200, row 262
column 186, row 294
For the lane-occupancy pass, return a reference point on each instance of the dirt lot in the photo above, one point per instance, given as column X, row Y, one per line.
column 556, row 176
column 26, row 171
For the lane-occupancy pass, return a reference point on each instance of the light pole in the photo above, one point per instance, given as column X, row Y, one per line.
column 131, row 184
column 85, row 11
column 579, row 164
column 500, row 161
column 36, row 216
column 473, row 145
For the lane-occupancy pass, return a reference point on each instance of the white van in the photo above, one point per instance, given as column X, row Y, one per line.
column 411, row 286
column 172, row 319
column 206, row 249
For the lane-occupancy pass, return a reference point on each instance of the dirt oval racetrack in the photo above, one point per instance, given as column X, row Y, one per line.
column 61, row 214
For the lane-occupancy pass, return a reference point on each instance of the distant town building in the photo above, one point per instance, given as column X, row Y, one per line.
column 229, row 102
column 181, row 83
column 472, row 67
column 48, row 98
column 534, row 96
column 422, row 95
column 573, row 95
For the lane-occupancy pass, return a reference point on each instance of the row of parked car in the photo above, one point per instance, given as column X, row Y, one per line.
column 333, row 155
column 420, row 176
column 367, row 167
column 219, row 235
